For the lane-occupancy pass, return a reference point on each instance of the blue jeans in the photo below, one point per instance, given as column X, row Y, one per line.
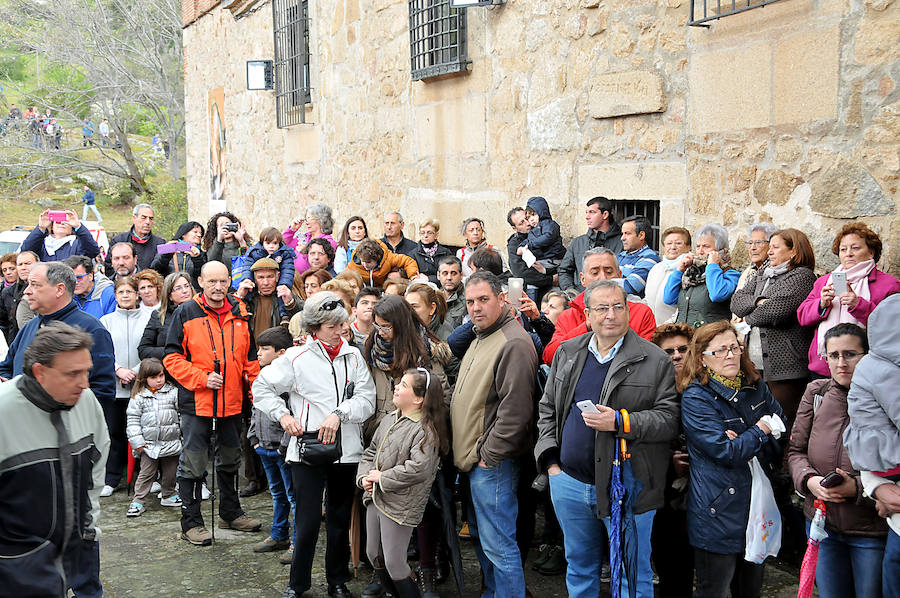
column 92, row 208
column 575, row 504
column 890, row 571
column 282, row 488
column 848, row 565
column 493, row 526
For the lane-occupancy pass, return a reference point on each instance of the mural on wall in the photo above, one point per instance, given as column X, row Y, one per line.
column 216, row 111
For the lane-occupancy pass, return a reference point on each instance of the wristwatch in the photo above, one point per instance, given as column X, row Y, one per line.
column 340, row 414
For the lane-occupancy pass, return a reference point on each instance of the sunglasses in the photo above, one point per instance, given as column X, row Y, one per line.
column 331, row 305
column 673, row 350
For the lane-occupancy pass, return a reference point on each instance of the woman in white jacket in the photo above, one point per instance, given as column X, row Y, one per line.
column 329, row 389
column 125, row 325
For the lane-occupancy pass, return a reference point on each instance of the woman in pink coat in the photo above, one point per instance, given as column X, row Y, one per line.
column 859, row 249
column 319, row 223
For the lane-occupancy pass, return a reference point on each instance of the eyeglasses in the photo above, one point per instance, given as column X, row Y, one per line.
column 427, row 233
column 733, row 350
column 672, row 350
column 756, row 243
column 331, row 305
column 615, row 308
column 182, row 287
column 383, row 328
column 847, row 356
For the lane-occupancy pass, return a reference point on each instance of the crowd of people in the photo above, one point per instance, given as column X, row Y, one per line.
column 432, row 393
column 46, row 131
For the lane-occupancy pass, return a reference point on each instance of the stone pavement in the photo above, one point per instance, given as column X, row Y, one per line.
column 145, row 557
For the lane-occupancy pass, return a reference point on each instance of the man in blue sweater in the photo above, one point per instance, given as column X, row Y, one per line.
column 611, row 368
column 90, row 204
column 49, row 294
column 637, row 258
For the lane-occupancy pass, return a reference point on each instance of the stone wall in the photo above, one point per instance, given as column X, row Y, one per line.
column 788, row 112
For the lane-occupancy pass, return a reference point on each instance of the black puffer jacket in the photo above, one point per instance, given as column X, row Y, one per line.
column 428, row 265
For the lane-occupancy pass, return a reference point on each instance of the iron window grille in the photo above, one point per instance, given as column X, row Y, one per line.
column 623, row 208
column 718, row 9
column 292, row 87
column 437, row 39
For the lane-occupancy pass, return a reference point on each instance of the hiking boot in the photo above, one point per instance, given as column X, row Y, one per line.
column 543, row 555
column 251, row 489
column 339, row 591
column 287, row 556
column 407, row 588
column 271, row 545
column 555, row 563
column 241, row 523
column 135, row 509
column 198, row 536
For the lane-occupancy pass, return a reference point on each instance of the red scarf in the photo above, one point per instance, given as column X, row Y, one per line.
column 331, row 351
column 220, row 311
column 137, row 239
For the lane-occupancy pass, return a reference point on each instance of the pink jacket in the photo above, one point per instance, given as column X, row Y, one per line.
column 301, row 263
column 808, row 314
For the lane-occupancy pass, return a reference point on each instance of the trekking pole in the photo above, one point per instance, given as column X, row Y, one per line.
column 213, row 440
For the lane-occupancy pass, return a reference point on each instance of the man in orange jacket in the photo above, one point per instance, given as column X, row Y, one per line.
column 211, row 354
column 599, row 263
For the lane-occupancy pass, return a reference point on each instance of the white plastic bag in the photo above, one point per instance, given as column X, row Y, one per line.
column 764, row 525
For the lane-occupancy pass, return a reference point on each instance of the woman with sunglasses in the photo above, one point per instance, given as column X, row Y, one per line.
column 673, row 556
column 330, row 390
column 850, row 557
column 728, row 415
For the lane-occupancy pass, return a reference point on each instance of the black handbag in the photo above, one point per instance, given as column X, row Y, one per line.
column 315, row 453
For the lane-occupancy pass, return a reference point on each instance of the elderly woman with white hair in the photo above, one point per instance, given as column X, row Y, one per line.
column 319, row 224
column 704, row 281
column 758, row 248
column 331, row 394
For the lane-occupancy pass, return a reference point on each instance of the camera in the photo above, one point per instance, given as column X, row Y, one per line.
column 231, row 227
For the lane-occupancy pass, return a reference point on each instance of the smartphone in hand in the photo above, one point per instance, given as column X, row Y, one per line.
column 831, row 480
column 587, row 407
column 839, row 280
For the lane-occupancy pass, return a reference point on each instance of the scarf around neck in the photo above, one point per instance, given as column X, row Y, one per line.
column 431, row 249
column 732, row 383
column 382, row 353
column 695, row 274
column 858, row 282
column 52, row 244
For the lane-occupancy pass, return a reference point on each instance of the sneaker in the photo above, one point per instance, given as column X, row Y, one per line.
column 172, row 501
column 155, row 487
column 655, row 579
column 135, row 509
column 555, row 563
column 287, row 556
column 464, row 531
column 605, row 575
column 107, row 491
column 271, row 545
column 241, row 523
column 198, row 536
column 204, row 492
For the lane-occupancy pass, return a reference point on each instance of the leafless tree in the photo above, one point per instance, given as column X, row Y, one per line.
column 126, row 61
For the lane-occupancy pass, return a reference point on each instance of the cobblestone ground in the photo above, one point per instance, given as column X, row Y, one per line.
column 145, row 556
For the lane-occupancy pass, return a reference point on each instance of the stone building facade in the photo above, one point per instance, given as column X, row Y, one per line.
column 789, row 112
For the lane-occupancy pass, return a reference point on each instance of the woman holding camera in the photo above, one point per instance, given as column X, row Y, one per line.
column 850, row 557
column 332, row 392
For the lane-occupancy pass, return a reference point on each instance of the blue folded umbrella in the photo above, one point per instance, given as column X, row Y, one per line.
column 624, row 489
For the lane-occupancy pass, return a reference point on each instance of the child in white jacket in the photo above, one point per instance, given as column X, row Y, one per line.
column 154, row 432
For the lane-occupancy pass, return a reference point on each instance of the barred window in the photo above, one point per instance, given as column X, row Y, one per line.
column 623, row 208
column 292, row 88
column 437, row 38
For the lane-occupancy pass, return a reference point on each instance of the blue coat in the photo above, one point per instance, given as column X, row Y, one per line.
column 103, row 375
column 101, row 300
column 84, row 244
column 719, row 499
column 284, row 255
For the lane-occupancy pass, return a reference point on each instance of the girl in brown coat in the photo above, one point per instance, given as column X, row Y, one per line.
column 396, row 473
